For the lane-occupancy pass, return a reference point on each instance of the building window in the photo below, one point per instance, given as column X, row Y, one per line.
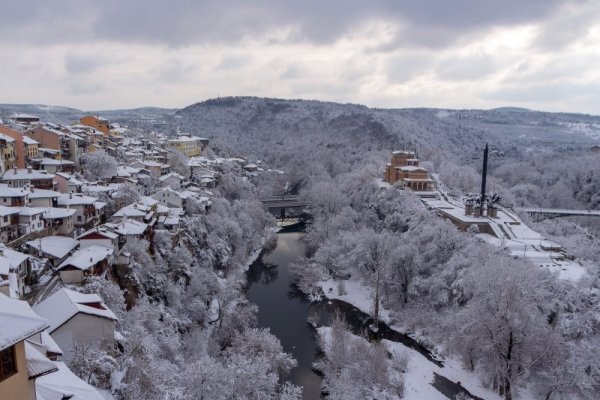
column 8, row 363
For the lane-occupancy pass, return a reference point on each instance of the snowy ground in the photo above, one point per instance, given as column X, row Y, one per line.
column 516, row 237
column 419, row 374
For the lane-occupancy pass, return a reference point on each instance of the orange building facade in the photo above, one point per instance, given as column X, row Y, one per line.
column 20, row 154
column 404, row 168
column 99, row 123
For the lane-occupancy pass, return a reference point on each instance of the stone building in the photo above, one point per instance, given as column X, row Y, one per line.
column 404, row 168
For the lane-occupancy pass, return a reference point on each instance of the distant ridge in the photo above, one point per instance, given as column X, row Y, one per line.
column 512, row 109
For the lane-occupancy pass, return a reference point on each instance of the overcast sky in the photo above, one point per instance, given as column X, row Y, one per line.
column 540, row 54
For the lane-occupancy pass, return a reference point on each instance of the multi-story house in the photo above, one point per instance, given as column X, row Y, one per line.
column 68, row 144
column 28, row 366
column 13, row 196
column 17, row 323
column 96, row 122
column 19, row 146
column 28, row 177
column 9, row 223
column 30, row 150
column 188, row 145
column 59, row 221
column 15, row 267
column 7, row 148
column 88, row 210
column 31, row 220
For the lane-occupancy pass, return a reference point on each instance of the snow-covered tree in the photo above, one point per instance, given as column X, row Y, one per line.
column 98, row 165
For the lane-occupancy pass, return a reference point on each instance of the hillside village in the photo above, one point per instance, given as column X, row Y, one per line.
column 67, row 211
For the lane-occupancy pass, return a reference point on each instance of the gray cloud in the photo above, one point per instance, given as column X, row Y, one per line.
column 76, row 63
column 471, row 67
column 428, row 23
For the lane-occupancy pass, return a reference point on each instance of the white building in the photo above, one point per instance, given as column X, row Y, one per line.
column 78, row 318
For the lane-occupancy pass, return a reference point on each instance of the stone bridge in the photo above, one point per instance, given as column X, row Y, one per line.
column 284, row 206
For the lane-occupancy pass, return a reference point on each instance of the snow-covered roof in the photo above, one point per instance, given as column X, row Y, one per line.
column 185, row 139
column 43, row 194
column 20, row 174
column 87, row 257
column 74, row 199
column 29, row 141
column 10, row 259
column 56, row 246
column 52, row 161
column 37, row 363
column 58, row 213
column 47, row 150
column 129, row 227
column 91, row 188
column 49, row 344
column 64, row 384
column 405, row 152
column 171, row 175
column 6, row 137
column 99, row 230
column 63, row 304
column 17, row 321
column 7, row 191
column 133, row 210
column 411, row 168
column 29, row 211
column 150, row 163
column 148, row 201
column 23, row 115
column 170, row 220
column 4, row 211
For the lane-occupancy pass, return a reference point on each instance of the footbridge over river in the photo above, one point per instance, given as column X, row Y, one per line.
column 539, row 214
column 285, row 205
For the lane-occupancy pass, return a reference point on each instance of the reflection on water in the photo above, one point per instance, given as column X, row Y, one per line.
column 284, row 309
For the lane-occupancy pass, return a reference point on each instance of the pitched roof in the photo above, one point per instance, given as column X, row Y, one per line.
column 132, row 210
column 37, row 363
column 64, row 384
column 129, row 227
column 63, row 304
column 8, row 210
column 43, row 194
column 75, row 199
column 28, row 140
column 56, row 246
column 29, row 211
column 7, row 191
column 98, row 231
column 21, row 174
column 52, row 161
column 58, row 213
column 17, row 321
column 87, row 257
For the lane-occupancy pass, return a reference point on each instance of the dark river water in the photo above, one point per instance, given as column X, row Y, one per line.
column 284, row 309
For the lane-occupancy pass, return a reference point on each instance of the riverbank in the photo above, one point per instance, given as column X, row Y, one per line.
column 420, row 372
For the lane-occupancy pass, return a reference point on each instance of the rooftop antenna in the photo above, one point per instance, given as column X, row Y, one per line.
column 483, row 179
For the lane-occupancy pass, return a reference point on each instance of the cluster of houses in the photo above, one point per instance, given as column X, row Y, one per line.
column 56, row 229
